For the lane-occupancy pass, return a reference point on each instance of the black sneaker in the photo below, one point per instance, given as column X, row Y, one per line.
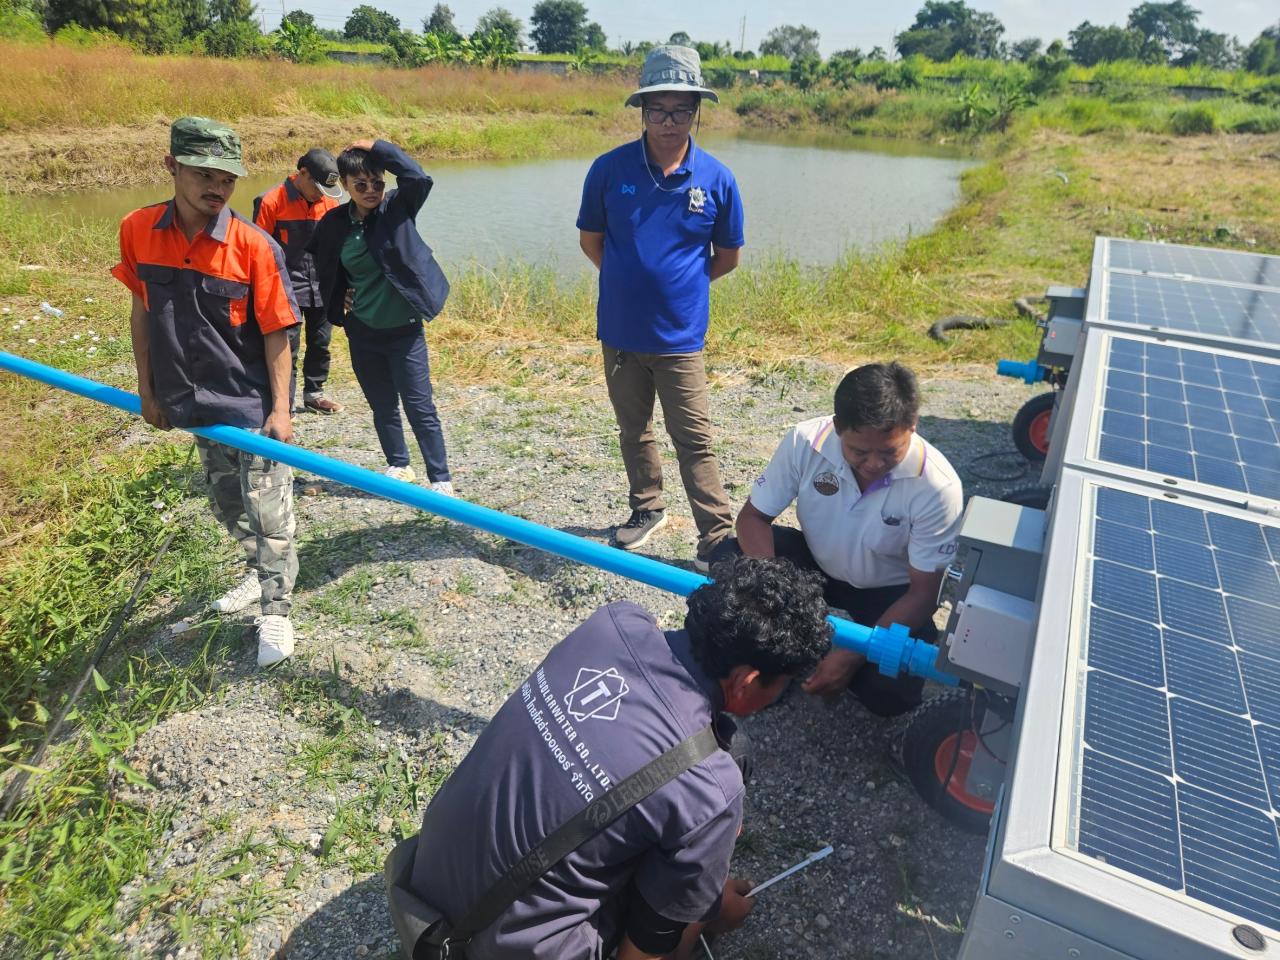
column 702, row 558
column 636, row 530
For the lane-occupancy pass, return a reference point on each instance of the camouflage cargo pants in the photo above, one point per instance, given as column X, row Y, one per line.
column 253, row 498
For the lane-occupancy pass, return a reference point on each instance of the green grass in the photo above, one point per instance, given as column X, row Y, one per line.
column 69, row 847
column 930, row 113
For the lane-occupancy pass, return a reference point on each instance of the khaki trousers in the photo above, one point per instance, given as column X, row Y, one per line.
column 679, row 381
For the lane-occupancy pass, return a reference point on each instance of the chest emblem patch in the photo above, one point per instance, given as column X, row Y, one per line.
column 629, row 189
column 596, row 694
column 697, row 199
column 827, row 483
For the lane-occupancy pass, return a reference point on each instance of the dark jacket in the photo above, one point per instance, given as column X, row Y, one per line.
column 394, row 241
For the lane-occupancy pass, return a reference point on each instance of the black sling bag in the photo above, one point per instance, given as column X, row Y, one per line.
column 426, row 934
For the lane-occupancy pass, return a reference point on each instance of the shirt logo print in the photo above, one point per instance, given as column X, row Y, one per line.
column 827, row 483
column 596, row 694
column 629, row 189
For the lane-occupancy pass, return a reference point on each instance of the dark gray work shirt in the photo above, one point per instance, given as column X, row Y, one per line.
column 609, row 698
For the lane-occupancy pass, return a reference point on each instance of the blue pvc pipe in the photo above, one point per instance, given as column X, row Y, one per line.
column 892, row 648
column 1029, row 371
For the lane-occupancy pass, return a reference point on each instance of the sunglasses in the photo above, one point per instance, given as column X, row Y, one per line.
column 365, row 186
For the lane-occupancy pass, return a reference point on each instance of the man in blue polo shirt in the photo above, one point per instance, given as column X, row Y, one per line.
column 661, row 219
column 609, row 698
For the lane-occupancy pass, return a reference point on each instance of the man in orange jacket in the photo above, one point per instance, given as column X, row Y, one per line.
column 289, row 212
column 212, row 310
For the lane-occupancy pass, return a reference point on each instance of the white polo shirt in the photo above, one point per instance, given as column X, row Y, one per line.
column 872, row 538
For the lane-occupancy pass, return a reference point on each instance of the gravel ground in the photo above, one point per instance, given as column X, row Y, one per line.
column 413, row 631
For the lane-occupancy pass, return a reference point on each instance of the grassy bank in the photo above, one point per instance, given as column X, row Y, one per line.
column 82, row 117
column 930, row 113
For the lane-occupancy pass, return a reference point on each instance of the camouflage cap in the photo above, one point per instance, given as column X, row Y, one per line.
column 201, row 142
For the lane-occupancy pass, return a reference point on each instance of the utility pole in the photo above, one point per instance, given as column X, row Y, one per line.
column 742, row 34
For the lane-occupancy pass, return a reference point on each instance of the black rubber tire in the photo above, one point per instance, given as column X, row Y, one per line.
column 1038, row 406
column 927, row 729
column 1031, row 496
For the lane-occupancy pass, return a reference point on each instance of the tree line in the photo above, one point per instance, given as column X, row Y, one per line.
column 1154, row 33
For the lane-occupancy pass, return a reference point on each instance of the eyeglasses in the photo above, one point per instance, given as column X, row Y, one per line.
column 659, row 117
column 364, row 186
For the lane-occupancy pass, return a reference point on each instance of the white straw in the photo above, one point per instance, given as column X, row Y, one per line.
column 811, row 858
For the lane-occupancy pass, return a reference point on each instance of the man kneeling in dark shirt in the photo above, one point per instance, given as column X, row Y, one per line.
column 609, row 698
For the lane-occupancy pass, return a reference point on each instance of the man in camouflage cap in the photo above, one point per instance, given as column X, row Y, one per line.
column 196, row 270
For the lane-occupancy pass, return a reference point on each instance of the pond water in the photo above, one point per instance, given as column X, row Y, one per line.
column 809, row 197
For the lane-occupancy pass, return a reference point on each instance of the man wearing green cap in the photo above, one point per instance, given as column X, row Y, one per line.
column 197, row 270
column 660, row 219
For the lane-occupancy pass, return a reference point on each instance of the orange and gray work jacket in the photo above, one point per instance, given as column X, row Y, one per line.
column 208, row 361
column 291, row 218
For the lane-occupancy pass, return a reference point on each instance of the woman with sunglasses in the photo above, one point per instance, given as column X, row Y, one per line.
column 381, row 283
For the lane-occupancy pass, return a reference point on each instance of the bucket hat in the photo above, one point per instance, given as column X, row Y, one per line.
column 671, row 69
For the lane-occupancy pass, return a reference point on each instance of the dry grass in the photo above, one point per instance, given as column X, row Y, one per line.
column 50, row 160
column 59, row 86
column 80, row 118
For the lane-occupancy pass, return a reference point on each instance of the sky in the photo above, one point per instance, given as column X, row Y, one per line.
column 841, row 25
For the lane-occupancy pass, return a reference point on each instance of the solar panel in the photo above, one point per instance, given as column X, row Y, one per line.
column 1178, row 781
column 1194, row 307
column 1231, row 266
column 1199, row 415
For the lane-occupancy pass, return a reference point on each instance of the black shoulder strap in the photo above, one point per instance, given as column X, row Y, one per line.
column 589, row 821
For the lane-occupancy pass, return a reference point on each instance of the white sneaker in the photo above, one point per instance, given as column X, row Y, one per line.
column 240, row 597
column 442, row 486
column 401, row 473
column 275, row 639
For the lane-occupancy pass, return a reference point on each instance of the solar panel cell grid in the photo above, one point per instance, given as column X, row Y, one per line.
column 1207, row 309
column 1191, row 414
column 1228, row 265
column 1179, row 779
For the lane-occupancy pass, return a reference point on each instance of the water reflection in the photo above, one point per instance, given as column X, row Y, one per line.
column 810, row 197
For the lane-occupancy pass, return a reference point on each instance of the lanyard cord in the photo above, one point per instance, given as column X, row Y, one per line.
column 644, row 152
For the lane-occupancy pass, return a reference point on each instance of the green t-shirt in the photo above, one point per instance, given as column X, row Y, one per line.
column 375, row 302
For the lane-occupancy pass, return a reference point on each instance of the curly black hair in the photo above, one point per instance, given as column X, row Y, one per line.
column 766, row 614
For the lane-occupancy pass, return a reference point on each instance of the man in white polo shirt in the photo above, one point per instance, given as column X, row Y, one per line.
column 879, row 508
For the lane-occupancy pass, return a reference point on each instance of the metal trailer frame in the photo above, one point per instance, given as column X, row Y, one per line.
column 1038, row 897
column 1031, row 871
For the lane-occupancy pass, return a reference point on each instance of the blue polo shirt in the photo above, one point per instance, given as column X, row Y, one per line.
column 609, row 698
column 656, row 276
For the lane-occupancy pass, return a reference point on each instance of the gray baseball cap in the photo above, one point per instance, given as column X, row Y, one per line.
column 671, row 69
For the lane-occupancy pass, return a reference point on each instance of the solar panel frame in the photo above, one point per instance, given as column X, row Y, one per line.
column 1094, row 438
column 1098, row 309
column 1036, row 865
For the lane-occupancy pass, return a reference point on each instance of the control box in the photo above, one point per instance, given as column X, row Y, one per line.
column 992, row 637
column 1062, row 326
column 991, row 586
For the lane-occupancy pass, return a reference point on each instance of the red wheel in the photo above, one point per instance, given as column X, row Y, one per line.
column 1031, row 426
column 928, row 750
column 942, row 766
